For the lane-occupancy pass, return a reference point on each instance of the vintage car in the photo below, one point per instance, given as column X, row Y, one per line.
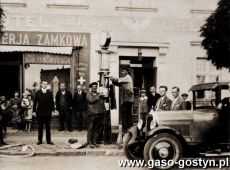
column 184, row 132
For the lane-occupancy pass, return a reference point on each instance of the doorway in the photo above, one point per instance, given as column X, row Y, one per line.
column 143, row 73
column 9, row 80
column 10, row 73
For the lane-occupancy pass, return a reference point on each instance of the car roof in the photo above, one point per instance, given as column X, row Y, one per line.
column 210, row 86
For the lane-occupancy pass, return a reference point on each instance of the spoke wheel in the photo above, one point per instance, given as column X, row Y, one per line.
column 163, row 147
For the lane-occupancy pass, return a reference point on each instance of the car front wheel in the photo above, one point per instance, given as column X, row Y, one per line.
column 163, row 150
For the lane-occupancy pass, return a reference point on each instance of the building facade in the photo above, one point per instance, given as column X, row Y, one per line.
column 158, row 40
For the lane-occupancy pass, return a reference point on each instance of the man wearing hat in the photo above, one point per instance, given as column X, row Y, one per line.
column 143, row 107
column 126, row 97
column 95, row 117
column 187, row 103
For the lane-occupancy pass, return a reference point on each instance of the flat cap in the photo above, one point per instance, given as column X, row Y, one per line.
column 93, row 83
column 143, row 91
column 184, row 94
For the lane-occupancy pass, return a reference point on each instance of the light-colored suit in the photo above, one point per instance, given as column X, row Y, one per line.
column 178, row 104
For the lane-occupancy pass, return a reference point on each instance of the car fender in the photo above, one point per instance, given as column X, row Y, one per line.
column 166, row 129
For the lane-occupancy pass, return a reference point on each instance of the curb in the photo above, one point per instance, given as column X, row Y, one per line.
column 73, row 152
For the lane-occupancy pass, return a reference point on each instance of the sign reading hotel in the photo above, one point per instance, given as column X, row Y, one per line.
column 45, row 39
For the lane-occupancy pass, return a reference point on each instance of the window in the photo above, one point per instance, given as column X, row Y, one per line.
column 201, row 65
column 205, row 71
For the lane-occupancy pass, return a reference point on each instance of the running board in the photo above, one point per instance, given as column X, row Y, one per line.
column 216, row 154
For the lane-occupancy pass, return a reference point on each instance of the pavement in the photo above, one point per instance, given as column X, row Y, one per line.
column 61, row 147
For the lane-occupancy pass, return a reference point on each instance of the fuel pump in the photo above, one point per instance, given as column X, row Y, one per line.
column 104, row 71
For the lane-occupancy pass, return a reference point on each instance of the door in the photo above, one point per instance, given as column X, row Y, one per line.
column 143, row 74
column 10, row 73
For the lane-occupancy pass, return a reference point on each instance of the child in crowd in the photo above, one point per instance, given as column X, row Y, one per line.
column 143, row 108
column 25, row 103
column 29, row 113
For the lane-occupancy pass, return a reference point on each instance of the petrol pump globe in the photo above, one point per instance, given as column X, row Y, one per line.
column 104, row 63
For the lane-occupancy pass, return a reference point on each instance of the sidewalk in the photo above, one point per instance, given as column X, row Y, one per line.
column 61, row 147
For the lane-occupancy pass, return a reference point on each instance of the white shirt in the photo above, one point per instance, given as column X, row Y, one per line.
column 44, row 90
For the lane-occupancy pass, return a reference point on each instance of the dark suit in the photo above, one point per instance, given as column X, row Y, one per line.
column 163, row 104
column 63, row 106
column 43, row 106
column 79, row 107
column 152, row 100
column 188, row 105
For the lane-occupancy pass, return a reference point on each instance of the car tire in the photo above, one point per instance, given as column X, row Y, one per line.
column 128, row 153
column 162, row 146
column 126, row 139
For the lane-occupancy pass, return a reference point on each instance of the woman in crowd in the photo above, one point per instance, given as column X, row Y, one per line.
column 29, row 113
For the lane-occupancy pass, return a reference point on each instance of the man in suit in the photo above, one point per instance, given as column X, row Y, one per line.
column 126, row 98
column 178, row 102
column 64, row 106
column 79, row 105
column 43, row 108
column 97, row 109
column 163, row 103
column 152, row 98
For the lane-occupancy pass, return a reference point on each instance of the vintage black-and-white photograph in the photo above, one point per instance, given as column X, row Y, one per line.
column 114, row 84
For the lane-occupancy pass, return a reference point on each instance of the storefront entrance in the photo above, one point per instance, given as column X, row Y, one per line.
column 10, row 73
column 143, row 73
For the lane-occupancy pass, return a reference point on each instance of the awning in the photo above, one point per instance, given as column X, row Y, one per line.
column 40, row 49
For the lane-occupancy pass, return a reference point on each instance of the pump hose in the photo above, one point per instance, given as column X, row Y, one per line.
column 17, row 156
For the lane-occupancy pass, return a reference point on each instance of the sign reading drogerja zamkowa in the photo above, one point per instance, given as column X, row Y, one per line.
column 45, row 39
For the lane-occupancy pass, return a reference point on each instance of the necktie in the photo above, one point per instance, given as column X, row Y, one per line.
column 159, row 104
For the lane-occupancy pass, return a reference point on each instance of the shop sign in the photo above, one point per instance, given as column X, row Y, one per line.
column 45, row 39
column 38, row 58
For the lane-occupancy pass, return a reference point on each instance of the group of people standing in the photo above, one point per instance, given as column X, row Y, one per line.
column 156, row 101
column 44, row 107
column 16, row 110
column 160, row 101
column 41, row 104
column 92, row 102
